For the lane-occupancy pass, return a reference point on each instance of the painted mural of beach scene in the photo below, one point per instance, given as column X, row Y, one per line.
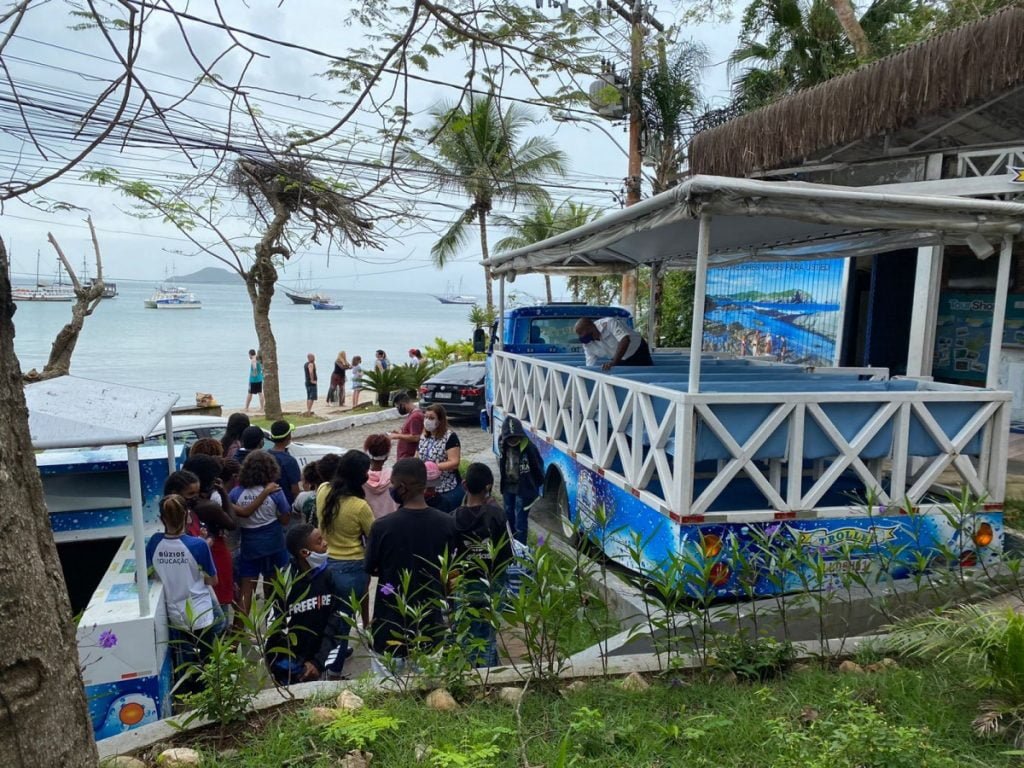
column 791, row 312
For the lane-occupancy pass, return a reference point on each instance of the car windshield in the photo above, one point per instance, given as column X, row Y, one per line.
column 460, row 374
column 553, row 330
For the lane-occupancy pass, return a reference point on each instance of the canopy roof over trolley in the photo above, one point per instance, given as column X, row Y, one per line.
column 762, row 221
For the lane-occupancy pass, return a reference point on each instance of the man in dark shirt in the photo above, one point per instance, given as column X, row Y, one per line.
column 291, row 475
column 309, row 369
column 408, row 437
column 411, row 540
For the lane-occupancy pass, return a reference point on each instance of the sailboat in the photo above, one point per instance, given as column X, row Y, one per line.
column 109, row 288
column 172, row 297
column 450, row 297
column 43, row 292
column 304, row 295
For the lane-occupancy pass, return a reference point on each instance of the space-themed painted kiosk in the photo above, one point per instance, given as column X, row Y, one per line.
column 103, row 503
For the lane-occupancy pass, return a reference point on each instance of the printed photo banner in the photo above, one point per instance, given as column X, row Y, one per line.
column 792, row 311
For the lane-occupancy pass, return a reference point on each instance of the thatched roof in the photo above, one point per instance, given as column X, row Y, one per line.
column 917, row 91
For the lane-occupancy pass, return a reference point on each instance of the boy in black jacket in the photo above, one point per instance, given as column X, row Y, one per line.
column 313, row 626
column 522, row 475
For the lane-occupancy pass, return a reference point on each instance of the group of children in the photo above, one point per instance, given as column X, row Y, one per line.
column 355, row 519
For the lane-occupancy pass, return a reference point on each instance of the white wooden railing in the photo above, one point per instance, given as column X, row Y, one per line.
column 633, row 433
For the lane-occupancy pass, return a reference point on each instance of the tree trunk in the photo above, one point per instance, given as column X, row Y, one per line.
column 485, row 254
column 87, row 298
column 44, row 719
column 852, row 29
column 260, row 281
column 547, row 288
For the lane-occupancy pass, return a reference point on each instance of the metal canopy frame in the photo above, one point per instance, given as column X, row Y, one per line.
column 73, row 412
column 770, row 221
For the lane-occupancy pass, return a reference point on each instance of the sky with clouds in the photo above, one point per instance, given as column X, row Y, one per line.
column 58, row 67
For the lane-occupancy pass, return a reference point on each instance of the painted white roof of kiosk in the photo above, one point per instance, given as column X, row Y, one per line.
column 763, row 221
column 72, row 412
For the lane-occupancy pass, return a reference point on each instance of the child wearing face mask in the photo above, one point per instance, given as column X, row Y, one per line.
column 313, row 626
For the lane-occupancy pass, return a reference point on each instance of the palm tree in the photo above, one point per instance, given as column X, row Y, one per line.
column 479, row 153
column 788, row 45
column 542, row 222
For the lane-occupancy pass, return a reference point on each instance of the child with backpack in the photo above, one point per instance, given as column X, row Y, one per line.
column 522, row 475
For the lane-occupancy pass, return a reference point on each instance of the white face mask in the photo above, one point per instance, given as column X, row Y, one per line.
column 430, row 424
column 316, row 559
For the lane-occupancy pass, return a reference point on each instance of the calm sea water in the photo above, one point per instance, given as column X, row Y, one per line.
column 205, row 350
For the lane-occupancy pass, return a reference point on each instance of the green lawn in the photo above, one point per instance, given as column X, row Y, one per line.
column 909, row 716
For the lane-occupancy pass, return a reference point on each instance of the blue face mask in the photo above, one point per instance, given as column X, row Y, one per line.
column 586, row 338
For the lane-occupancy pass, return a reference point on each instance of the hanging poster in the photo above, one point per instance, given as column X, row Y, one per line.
column 791, row 310
column 963, row 332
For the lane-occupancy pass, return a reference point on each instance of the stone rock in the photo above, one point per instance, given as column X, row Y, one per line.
column 227, row 754
column 889, row 663
column 851, row 668
column 511, row 695
column 122, row 761
column 441, row 700
column 179, row 757
column 421, row 752
column 800, row 668
column 573, row 688
column 349, row 701
column 634, row 682
column 323, row 715
column 808, row 715
column 357, row 758
column 730, row 678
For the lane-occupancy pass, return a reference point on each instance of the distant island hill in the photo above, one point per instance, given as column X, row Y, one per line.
column 789, row 296
column 207, row 276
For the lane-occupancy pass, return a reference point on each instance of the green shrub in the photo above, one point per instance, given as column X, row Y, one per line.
column 384, row 383
column 358, row 729
column 750, row 660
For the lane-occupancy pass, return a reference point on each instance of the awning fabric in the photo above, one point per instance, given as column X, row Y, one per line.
column 761, row 221
column 72, row 412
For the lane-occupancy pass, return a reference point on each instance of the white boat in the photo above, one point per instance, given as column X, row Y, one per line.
column 172, row 297
column 451, row 297
column 44, row 293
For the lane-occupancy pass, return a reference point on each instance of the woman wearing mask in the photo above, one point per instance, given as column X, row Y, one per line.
column 345, row 518
column 441, row 445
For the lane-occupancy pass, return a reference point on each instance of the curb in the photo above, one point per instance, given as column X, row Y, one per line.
column 345, row 422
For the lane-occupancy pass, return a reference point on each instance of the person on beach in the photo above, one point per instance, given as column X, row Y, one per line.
column 378, row 481
column 612, row 340
column 522, row 475
column 185, row 567
column 232, row 439
column 440, row 444
column 381, row 361
column 345, row 519
column 484, row 552
column 408, row 437
column 262, row 551
column 255, row 378
column 356, row 373
column 291, row 474
column 341, row 365
column 309, row 370
column 416, row 357
column 410, row 541
column 313, row 625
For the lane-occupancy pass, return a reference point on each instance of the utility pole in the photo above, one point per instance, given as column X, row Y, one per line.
column 637, row 17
